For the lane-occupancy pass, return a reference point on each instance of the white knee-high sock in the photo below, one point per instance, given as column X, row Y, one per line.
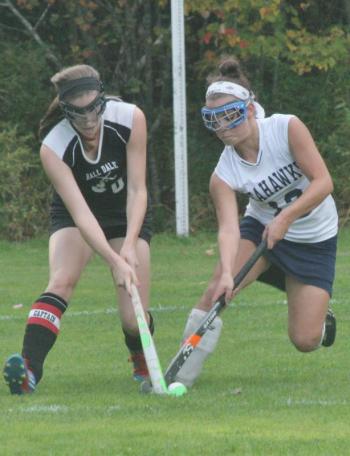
column 193, row 366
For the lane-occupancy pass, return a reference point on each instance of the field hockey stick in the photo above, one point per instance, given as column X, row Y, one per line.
column 158, row 383
column 193, row 340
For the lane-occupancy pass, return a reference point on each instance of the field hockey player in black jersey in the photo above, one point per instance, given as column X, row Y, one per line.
column 94, row 154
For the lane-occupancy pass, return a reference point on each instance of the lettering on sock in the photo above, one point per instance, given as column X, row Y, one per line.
column 46, row 315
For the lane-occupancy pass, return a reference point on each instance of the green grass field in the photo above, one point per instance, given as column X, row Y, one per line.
column 256, row 396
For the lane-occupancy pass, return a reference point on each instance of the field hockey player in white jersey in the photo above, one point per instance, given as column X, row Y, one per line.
column 94, row 153
column 275, row 162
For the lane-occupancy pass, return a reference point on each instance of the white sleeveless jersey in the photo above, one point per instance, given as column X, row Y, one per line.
column 275, row 181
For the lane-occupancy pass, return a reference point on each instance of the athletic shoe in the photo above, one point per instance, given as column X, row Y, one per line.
column 18, row 377
column 330, row 329
column 140, row 367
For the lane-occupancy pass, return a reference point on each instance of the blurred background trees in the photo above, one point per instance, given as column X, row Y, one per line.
column 297, row 54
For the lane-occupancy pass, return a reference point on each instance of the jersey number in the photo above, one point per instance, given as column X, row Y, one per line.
column 116, row 187
column 289, row 198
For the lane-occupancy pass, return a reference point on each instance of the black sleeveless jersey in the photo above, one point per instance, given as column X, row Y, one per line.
column 103, row 181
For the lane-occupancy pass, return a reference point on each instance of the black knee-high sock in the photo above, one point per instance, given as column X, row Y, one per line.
column 134, row 342
column 42, row 329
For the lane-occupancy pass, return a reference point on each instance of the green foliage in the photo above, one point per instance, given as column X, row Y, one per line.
column 296, row 54
column 309, row 51
column 23, row 188
column 270, row 29
column 24, row 82
column 336, row 150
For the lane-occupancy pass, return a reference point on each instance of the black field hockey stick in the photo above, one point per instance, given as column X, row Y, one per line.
column 193, row 340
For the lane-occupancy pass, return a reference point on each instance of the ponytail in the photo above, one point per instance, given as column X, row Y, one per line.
column 229, row 69
column 52, row 116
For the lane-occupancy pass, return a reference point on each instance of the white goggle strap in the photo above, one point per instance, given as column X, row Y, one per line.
column 259, row 110
column 238, row 91
column 229, row 88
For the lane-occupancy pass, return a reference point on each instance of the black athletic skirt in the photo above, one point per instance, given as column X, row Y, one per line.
column 111, row 228
column 310, row 263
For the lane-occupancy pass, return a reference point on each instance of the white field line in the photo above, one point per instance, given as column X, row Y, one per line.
column 61, row 409
column 54, row 408
column 88, row 313
column 307, row 402
column 159, row 308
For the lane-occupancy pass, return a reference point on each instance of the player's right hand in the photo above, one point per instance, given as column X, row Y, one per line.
column 124, row 275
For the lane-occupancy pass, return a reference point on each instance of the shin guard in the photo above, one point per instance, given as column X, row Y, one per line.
column 193, row 366
column 134, row 342
column 137, row 357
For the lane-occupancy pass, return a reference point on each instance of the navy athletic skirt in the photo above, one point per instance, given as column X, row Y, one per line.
column 310, row 263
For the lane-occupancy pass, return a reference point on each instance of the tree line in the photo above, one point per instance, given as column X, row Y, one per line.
column 295, row 52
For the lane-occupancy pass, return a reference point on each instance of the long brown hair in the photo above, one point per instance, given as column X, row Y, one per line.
column 54, row 113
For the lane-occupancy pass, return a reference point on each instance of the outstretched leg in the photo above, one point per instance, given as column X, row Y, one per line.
column 68, row 255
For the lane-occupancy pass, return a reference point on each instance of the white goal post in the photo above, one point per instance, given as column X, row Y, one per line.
column 180, row 121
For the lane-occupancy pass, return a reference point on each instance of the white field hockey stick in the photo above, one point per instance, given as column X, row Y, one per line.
column 193, row 340
column 158, row 383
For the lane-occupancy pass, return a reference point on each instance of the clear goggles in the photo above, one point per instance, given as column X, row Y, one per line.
column 80, row 115
column 225, row 117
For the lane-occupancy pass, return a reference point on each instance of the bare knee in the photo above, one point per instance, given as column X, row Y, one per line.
column 306, row 342
column 62, row 285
